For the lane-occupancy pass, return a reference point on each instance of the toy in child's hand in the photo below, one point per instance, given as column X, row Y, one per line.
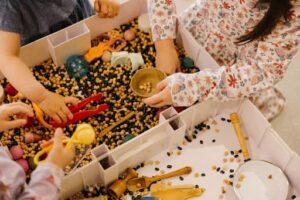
column 84, row 134
column 77, row 66
column 10, row 90
column 29, row 119
column 30, row 122
column 80, row 115
column 112, row 45
column 77, row 114
column 40, row 116
column 144, row 182
column 118, row 188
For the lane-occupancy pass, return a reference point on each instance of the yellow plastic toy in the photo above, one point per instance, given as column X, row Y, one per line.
column 84, row 134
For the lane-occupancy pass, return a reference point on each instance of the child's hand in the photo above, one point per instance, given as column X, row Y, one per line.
column 166, row 56
column 59, row 155
column 13, row 109
column 54, row 105
column 107, row 8
column 162, row 98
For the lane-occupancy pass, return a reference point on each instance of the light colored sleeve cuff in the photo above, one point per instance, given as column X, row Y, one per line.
column 49, row 171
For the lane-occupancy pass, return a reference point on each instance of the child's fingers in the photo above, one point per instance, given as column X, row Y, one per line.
column 155, row 99
column 19, row 104
column 159, row 104
column 56, row 118
column 17, row 109
column 96, row 6
column 66, row 113
column 58, row 138
column 110, row 11
column 62, row 116
column 116, row 8
column 161, row 85
column 104, row 10
column 71, row 100
column 15, row 123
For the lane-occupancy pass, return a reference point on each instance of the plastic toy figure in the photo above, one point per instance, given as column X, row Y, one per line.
column 76, row 66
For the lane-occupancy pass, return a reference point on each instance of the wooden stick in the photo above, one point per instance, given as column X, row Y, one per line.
column 235, row 121
column 106, row 130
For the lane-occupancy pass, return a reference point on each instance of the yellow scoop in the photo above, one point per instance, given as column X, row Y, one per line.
column 84, row 134
column 144, row 182
column 180, row 192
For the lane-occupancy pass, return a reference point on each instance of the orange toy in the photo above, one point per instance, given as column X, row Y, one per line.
column 112, row 45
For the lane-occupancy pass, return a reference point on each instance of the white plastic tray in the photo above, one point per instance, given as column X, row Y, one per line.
column 265, row 144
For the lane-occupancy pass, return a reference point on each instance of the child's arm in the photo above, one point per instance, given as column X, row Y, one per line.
column 15, row 70
column 12, row 176
column 46, row 180
column 163, row 22
column 246, row 77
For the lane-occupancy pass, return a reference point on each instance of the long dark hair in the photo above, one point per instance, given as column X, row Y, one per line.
column 277, row 10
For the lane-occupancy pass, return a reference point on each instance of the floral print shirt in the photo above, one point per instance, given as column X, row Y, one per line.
column 216, row 24
column 44, row 184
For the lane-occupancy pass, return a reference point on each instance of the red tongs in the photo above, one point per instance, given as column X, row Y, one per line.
column 79, row 115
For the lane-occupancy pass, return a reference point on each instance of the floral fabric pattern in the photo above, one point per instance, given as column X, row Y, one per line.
column 45, row 181
column 247, row 70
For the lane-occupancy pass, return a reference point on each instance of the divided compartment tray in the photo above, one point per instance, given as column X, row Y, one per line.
column 76, row 40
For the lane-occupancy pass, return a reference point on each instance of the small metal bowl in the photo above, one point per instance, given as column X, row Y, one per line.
column 263, row 180
column 142, row 76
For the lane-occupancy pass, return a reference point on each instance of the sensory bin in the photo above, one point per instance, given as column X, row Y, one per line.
column 112, row 81
column 216, row 157
column 200, row 137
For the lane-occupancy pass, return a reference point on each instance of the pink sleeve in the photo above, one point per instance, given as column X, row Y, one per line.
column 45, row 181
column 12, row 177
